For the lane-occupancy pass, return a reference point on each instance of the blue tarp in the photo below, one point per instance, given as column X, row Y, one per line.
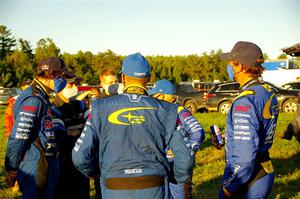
column 274, row 65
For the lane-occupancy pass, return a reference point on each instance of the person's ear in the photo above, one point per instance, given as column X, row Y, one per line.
column 239, row 68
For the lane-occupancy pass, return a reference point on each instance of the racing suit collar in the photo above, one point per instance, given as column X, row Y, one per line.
column 41, row 87
column 249, row 83
column 136, row 89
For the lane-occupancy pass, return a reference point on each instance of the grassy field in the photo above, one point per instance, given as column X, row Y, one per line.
column 210, row 162
column 4, row 193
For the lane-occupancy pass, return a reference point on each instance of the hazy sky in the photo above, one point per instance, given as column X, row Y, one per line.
column 155, row 27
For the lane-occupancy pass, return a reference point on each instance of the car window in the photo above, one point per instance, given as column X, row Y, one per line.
column 4, row 91
column 185, row 89
column 13, row 91
column 291, row 86
column 8, row 91
column 228, row 87
column 296, row 86
column 213, row 89
column 287, row 86
column 203, row 86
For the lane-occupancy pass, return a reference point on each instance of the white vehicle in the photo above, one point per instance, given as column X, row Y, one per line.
column 281, row 72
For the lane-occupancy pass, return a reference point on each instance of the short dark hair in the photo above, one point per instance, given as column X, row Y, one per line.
column 49, row 74
column 254, row 71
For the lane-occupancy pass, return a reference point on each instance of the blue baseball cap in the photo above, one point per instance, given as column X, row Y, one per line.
column 162, row 86
column 136, row 65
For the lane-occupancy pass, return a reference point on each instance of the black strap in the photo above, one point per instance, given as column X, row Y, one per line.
column 134, row 183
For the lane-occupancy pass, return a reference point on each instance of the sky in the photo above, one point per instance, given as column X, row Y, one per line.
column 155, row 27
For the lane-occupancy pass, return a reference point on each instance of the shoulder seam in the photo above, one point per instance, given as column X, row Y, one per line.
column 245, row 93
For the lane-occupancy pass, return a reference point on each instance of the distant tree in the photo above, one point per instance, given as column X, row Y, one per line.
column 7, row 41
column 282, row 56
column 46, row 48
column 107, row 59
column 24, row 46
column 81, row 65
column 22, row 65
column 266, row 56
column 69, row 61
column 7, row 76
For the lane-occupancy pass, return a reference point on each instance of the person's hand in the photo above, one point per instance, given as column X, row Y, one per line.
column 11, row 178
column 215, row 142
column 226, row 192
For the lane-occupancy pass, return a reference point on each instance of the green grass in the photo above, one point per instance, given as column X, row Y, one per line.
column 210, row 162
column 4, row 193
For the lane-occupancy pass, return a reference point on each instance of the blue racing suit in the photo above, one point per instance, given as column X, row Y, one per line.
column 72, row 183
column 194, row 135
column 124, row 140
column 32, row 148
column 193, row 131
column 250, row 129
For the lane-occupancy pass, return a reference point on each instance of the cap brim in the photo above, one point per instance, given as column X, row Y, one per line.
column 68, row 74
column 73, row 79
column 226, row 56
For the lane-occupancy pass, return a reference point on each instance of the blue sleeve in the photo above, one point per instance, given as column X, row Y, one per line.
column 183, row 161
column 194, row 132
column 243, row 141
column 27, row 116
column 85, row 153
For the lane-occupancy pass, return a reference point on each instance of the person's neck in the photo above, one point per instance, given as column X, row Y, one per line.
column 242, row 79
column 43, row 84
column 135, row 88
column 247, row 81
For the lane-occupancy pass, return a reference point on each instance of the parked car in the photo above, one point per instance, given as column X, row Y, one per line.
column 287, row 99
column 292, row 86
column 189, row 97
column 6, row 92
column 203, row 86
column 220, row 97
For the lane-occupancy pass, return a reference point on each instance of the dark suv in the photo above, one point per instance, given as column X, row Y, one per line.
column 292, row 85
column 220, row 97
column 189, row 97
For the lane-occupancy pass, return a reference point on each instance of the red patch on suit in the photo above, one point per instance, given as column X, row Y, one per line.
column 186, row 114
column 242, row 108
column 48, row 124
column 29, row 108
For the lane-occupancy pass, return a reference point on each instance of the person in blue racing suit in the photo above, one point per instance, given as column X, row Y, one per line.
column 125, row 138
column 250, row 127
column 70, row 113
column 189, row 126
column 31, row 157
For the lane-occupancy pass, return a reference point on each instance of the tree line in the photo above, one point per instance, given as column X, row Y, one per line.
column 18, row 62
